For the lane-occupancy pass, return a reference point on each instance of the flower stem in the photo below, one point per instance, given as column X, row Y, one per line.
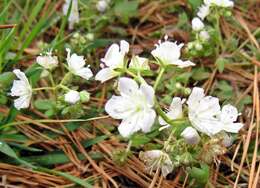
column 220, row 39
column 67, row 75
column 44, row 88
column 159, row 77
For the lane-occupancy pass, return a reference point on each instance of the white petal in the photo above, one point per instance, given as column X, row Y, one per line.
column 210, row 126
column 119, row 107
column 21, row 75
column 85, row 73
column 113, row 56
column 124, row 46
column 76, row 62
column 147, row 120
column 127, row 86
column 148, row 91
column 129, row 126
column 19, row 88
column 183, row 64
column 209, row 107
column 232, row 127
column 229, row 113
column 105, row 74
column 196, row 95
column 22, row 102
column 176, row 105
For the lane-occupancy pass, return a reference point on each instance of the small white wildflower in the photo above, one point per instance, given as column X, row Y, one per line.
column 155, row 159
column 227, row 117
column 113, row 59
column 197, row 24
column 169, row 53
column 203, row 111
column 204, row 35
column 21, row 88
column 190, row 135
column 102, row 5
column 203, row 12
column 76, row 65
column 72, row 97
column 47, row 61
column 134, row 107
column 175, row 111
column 139, row 63
column 220, row 3
column 74, row 13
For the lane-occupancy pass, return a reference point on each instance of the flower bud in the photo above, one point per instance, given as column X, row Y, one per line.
column 187, row 91
column 72, row 97
column 190, row 135
column 204, row 35
column 197, row 24
column 178, row 85
column 101, row 5
column 84, row 96
column 198, row 46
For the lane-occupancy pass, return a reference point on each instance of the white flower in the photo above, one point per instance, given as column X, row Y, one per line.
column 72, row 97
column 197, row 24
column 134, row 107
column 227, row 117
column 102, row 5
column 139, row 63
column 220, row 3
column 169, row 53
column 190, row 135
column 113, row 59
column 21, row 88
column 204, row 35
column 47, row 61
column 74, row 13
column 76, row 65
column 175, row 111
column 203, row 11
column 154, row 159
column 203, row 112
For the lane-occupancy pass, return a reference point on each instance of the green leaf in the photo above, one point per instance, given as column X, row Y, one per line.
column 126, row 9
column 201, row 175
column 194, row 4
column 6, row 79
column 7, row 150
column 220, row 63
column 44, row 104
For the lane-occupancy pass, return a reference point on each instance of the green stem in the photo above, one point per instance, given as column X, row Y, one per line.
column 63, row 87
column 50, row 121
column 67, row 75
column 158, row 79
column 220, row 39
column 43, row 88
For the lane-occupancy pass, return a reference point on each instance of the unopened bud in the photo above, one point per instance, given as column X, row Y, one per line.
column 190, row 135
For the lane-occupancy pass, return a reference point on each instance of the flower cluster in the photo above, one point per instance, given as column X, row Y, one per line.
column 194, row 121
column 212, row 9
column 138, row 109
column 76, row 66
